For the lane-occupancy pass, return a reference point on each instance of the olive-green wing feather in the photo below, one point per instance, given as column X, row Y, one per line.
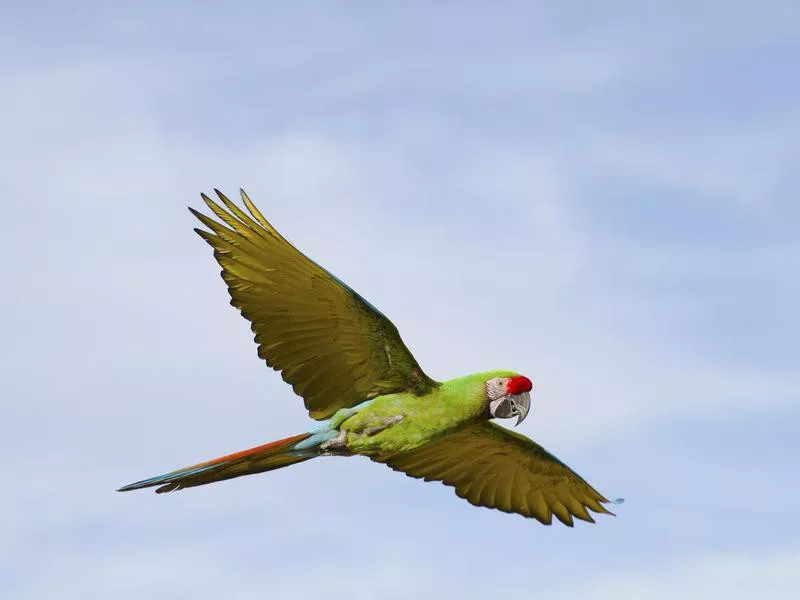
column 491, row 466
column 333, row 347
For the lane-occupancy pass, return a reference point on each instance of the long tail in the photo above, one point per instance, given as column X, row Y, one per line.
column 274, row 455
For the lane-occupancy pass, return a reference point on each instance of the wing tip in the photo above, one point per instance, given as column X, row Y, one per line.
column 615, row 502
column 208, row 222
column 206, row 198
column 203, row 233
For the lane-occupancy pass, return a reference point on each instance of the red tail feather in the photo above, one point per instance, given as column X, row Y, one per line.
column 270, row 447
column 266, row 457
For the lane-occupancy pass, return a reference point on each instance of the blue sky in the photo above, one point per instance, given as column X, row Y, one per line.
column 603, row 198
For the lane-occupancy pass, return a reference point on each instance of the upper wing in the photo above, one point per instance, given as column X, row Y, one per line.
column 331, row 345
column 491, row 466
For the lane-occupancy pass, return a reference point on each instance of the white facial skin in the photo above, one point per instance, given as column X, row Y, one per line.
column 496, row 387
column 503, row 405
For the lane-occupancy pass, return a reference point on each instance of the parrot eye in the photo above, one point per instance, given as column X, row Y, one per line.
column 496, row 387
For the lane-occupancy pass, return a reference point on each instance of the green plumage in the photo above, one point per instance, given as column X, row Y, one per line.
column 354, row 373
column 333, row 347
column 452, row 405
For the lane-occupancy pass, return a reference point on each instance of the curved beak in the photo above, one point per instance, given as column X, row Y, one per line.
column 522, row 403
column 509, row 406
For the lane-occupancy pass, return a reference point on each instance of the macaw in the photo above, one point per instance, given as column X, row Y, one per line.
column 367, row 392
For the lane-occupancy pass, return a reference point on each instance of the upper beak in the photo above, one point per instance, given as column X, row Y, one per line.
column 522, row 402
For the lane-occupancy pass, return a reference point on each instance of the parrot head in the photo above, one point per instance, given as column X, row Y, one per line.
column 509, row 397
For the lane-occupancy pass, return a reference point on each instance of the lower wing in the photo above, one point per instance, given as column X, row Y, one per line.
column 494, row 467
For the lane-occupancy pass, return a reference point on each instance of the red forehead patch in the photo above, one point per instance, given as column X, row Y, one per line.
column 518, row 385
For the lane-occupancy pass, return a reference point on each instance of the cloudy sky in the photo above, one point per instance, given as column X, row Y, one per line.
column 603, row 198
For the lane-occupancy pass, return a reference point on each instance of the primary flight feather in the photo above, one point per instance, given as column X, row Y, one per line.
column 370, row 396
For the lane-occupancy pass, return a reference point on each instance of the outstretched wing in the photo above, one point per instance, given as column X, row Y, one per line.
column 491, row 466
column 333, row 347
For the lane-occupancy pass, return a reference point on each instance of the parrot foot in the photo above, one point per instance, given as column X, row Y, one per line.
column 385, row 424
column 338, row 443
column 338, row 446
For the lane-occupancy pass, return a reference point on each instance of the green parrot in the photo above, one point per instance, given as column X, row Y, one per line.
column 371, row 398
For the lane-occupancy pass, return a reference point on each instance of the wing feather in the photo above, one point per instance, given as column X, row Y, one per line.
column 491, row 466
column 333, row 347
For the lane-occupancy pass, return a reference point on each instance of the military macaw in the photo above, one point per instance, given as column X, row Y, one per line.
column 371, row 398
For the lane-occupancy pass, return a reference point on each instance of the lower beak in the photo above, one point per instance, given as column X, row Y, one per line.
column 523, row 405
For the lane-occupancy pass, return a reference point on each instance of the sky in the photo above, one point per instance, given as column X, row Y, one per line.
column 603, row 197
